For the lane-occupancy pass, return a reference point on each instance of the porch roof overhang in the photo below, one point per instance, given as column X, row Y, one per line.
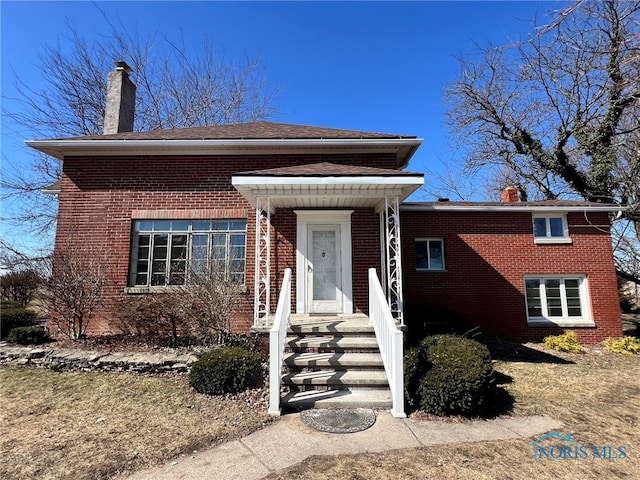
column 326, row 186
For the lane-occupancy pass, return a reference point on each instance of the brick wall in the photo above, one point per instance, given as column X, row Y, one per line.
column 101, row 195
column 487, row 256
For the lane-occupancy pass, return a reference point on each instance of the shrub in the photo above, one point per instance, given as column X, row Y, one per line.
column 154, row 315
column 28, row 335
column 567, row 342
column 626, row 345
column 246, row 341
column 20, row 286
column 199, row 311
column 12, row 316
column 73, row 293
column 226, row 370
column 448, row 375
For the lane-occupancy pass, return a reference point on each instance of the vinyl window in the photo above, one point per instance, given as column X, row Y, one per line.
column 562, row 300
column 429, row 254
column 550, row 228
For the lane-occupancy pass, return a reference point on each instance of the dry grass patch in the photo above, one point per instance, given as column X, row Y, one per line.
column 96, row 425
column 597, row 396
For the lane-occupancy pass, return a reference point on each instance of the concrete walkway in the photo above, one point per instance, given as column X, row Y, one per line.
column 289, row 441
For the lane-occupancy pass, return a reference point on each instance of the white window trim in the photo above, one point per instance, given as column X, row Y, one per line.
column 132, row 288
column 566, row 239
column 432, row 239
column 586, row 320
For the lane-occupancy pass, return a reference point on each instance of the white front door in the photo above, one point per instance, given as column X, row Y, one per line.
column 323, row 261
column 324, row 275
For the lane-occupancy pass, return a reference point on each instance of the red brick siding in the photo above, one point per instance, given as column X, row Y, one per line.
column 101, row 195
column 487, row 256
column 365, row 238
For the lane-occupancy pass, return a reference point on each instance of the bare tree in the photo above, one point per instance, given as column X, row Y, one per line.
column 176, row 88
column 72, row 294
column 20, row 286
column 558, row 115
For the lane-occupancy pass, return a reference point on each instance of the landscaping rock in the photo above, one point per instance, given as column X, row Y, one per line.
column 89, row 360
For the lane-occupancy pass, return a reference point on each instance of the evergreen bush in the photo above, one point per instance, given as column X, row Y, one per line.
column 28, row 335
column 13, row 315
column 448, row 375
column 226, row 370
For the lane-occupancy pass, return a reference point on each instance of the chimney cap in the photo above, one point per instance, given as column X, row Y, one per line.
column 122, row 65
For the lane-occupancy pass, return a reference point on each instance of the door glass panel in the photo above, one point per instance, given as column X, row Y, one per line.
column 324, row 264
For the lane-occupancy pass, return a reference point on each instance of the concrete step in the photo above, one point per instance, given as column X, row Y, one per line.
column 336, row 361
column 341, row 325
column 331, row 343
column 379, row 399
column 336, row 379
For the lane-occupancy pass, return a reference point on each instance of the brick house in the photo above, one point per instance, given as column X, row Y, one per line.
column 327, row 205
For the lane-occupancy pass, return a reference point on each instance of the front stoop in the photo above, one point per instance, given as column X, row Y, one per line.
column 334, row 362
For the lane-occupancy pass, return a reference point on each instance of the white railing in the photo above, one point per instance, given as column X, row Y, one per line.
column 389, row 340
column 277, row 334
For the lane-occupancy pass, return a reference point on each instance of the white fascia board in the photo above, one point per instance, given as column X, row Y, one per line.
column 64, row 147
column 511, row 208
column 241, row 180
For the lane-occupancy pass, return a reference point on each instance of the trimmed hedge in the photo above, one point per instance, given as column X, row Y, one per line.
column 28, row 335
column 226, row 370
column 448, row 375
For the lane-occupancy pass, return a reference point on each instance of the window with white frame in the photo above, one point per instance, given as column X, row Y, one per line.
column 563, row 300
column 429, row 254
column 550, row 228
column 167, row 252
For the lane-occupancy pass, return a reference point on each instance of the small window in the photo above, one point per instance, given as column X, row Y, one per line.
column 429, row 254
column 558, row 299
column 550, row 229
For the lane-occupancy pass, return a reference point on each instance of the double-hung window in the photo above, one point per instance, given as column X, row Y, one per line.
column 429, row 254
column 550, row 228
column 169, row 252
column 562, row 300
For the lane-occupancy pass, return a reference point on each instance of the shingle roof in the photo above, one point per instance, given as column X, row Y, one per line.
column 246, row 131
column 326, row 169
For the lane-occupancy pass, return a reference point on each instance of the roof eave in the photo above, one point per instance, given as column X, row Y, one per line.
column 403, row 147
column 513, row 208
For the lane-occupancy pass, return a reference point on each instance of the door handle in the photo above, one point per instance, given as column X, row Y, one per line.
column 309, row 269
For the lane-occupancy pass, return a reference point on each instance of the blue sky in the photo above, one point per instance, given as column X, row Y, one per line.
column 374, row 66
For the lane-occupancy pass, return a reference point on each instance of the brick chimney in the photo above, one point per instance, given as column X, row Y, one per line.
column 510, row 194
column 121, row 100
